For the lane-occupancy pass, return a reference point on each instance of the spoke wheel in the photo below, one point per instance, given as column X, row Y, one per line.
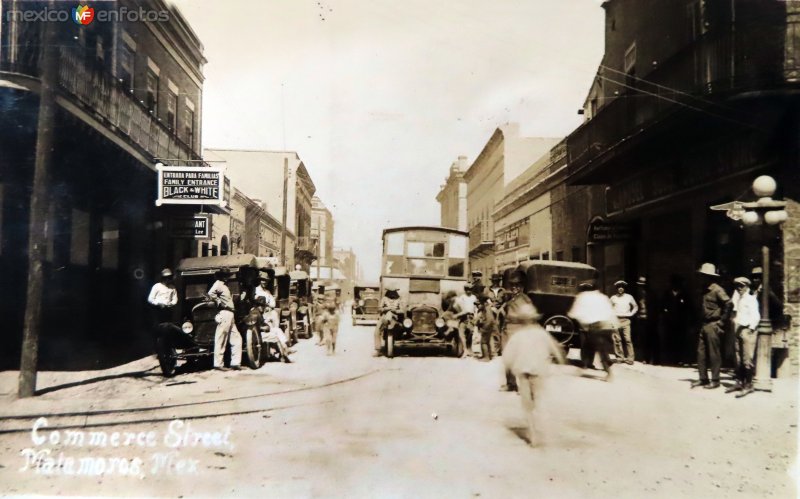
column 253, row 348
column 390, row 345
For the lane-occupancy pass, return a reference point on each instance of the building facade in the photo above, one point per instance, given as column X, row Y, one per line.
column 452, row 197
column 698, row 99
column 504, row 157
column 126, row 94
column 322, row 230
column 260, row 175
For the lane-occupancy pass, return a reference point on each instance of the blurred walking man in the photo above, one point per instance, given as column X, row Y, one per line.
column 594, row 312
column 527, row 355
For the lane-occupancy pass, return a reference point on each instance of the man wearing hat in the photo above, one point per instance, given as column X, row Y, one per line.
column 226, row 326
column 163, row 297
column 498, row 296
column 715, row 308
column 746, row 321
column 263, row 290
column 391, row 307
column 466, row 308
column 625, row 307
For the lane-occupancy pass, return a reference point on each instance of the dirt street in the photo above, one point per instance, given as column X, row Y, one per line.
column 415, row 426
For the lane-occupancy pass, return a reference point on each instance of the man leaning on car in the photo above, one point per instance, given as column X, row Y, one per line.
column 226, row 326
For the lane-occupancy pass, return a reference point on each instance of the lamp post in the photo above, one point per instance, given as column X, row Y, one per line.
column 764, row 211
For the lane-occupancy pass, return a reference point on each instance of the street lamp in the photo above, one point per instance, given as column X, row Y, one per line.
column 764, row 211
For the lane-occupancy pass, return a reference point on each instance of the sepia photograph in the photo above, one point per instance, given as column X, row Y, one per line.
column 400, row 249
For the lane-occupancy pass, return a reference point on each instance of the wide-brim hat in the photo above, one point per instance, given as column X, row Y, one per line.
column 166, row 273
column 621, row 283
column 642, row 281
column 390, row 287
column 708, row 269
column 743, row 281
column 586, row 286
column 757, row 271
column 496, row 277
column 468, row 286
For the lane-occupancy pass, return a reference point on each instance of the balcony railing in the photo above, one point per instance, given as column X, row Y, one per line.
column 103, row 97
column 697, row 77
column 481, row 237
column 305, row 243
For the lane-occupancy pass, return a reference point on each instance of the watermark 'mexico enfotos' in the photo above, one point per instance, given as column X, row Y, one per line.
column 84, row 15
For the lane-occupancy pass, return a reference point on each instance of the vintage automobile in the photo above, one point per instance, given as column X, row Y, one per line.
column 552, row 286
column 293, row 295
column 425, row 264
column 193, row 339
column 366, row 302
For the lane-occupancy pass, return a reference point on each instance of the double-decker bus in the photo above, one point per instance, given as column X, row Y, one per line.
column 424, row 264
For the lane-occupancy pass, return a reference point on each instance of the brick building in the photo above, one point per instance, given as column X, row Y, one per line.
column 452, row 197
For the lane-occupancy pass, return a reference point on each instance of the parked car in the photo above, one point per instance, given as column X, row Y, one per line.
column 193, row 338
column 366, row 302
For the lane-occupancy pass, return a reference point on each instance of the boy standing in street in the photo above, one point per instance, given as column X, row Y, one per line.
column 527, row 355
column 625, row 307
column 330, row 326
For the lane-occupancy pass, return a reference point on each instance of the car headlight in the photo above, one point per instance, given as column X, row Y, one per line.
column 407, row 323
column 360, row 303
column 187, row 327
column 439, row 322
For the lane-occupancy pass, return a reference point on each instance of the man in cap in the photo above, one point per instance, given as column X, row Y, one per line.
column 774, row 303
column 466, row 307
column 625, row 307
column 527, row 357
column 226, row 326
column 163, row 297
column 715, row 308
column 746, row 321
column 263, row 290
column 391, row 308
column 596, row 316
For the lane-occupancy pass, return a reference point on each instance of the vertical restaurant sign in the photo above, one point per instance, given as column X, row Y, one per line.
column 191, row 185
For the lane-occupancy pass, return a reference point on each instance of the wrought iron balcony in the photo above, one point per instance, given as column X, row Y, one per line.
column 481, row 239
column 703, row 76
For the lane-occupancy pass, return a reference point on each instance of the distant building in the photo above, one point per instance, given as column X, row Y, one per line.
column 260, row 175
column 322, row 229
column 505, row 156
column 452, row 197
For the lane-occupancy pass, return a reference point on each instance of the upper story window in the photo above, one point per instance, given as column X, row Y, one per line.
column 153, row 73
column 172, row 106
column 127, row 56
column 630, row 58
column 188, row 123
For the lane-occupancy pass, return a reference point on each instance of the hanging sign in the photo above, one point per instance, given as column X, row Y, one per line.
column 191, row 185
column 193, row 227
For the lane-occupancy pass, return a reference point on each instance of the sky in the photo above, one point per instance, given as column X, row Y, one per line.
column 379, row 97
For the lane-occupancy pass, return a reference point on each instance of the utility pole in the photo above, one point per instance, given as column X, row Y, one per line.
column 39, row 204
column 285, row 208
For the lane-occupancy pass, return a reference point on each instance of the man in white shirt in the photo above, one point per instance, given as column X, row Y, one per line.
column 263, row 290
column 226, row 326
column 163, row 298
column 746, row 321
column 466, row 307
column 625, row 307
column 594, row 312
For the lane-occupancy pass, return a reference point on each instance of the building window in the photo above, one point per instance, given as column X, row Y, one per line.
column 110, row 259
column 560, row 256
column 127, row 55
column 630, row 58
column 204, row 249
column 546, row 255
column 172, row 106
column 99, row 51
column 79, row 238
column 188, row 123
column 576, row 254
column 152, row 92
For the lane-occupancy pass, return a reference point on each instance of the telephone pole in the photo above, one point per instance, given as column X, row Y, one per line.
column 285, row 207
column 39, row 204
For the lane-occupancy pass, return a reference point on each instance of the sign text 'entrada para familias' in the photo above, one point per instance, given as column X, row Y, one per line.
column 190, row 185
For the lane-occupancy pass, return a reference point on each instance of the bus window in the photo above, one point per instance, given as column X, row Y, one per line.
column 394, row 266
column 394, row 243
column 426, row 267
column 455, row 267
column 420, row 249
column 458, row 246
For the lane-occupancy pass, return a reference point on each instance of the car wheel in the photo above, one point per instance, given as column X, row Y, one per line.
column 167, row 356
column 457, row 348
column 253, row 348
column 390, row 345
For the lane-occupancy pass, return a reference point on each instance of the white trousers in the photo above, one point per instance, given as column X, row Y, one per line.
column 227, row 331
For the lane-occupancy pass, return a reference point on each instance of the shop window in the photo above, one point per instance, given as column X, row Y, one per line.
column 79, row 238
column 110, row 258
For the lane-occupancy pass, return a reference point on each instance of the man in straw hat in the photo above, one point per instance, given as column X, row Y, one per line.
column 527, row 355
column 163, row 297
column 715, row 308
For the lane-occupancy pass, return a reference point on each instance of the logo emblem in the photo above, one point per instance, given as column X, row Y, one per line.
column 82, row 14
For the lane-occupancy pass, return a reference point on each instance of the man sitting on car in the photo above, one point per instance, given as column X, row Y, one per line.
column 268, row 322
column 391, row 306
